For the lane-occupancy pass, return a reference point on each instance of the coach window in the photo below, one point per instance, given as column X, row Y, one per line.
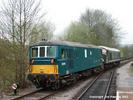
column 90, row 52
column 42, row 51
column 110, row 56
column 85, row 53
column 63, row 54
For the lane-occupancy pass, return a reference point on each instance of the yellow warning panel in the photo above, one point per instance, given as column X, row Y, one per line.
column 44, row 69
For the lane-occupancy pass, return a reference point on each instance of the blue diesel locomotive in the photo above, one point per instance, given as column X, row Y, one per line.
column 55, row 63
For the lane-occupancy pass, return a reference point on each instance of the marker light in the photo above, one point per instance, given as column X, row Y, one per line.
column 32, row 61
column 52, row 61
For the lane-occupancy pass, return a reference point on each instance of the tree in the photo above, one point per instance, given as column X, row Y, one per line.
column 76, row 32
column 41, row 31
column 126, row 51
column 18, row 18
column 6, row 65
column 95, row 27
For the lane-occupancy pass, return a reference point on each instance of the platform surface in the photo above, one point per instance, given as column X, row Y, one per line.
column 125, row 82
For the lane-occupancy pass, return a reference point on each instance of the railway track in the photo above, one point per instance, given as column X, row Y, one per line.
column 98, row 88
column 102, row 87
column 108, row 85
column 36, row 95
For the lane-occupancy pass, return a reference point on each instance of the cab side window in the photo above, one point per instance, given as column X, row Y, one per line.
column 63, row 53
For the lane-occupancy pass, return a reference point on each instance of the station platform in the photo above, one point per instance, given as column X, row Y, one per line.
column 125, row 82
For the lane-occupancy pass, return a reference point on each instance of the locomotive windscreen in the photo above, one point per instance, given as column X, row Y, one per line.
column 51, row 51
column 34, row 52
column 44, row 51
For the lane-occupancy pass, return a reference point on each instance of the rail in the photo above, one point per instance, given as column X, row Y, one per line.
column 33, row 94
column 94, row 81
column 90, row 85
column 108, row 86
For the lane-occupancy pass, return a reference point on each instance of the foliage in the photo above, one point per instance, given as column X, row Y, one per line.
column 77, row 32
column 7, row 72
column 18, row 20
column 42, row 31
column 95, row 27
column 126, row 51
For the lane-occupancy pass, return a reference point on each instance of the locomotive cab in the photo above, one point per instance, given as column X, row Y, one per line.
column 48, row 63
column 43, row 66
column 43, row 60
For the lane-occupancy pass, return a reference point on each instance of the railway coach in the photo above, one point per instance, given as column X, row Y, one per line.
column 54, row 63
column 111, row 56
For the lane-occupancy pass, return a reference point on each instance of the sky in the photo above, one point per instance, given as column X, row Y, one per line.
column 62, row 12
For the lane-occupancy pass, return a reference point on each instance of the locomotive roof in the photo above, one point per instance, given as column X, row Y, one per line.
column 111, row 49
column 58, row 42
